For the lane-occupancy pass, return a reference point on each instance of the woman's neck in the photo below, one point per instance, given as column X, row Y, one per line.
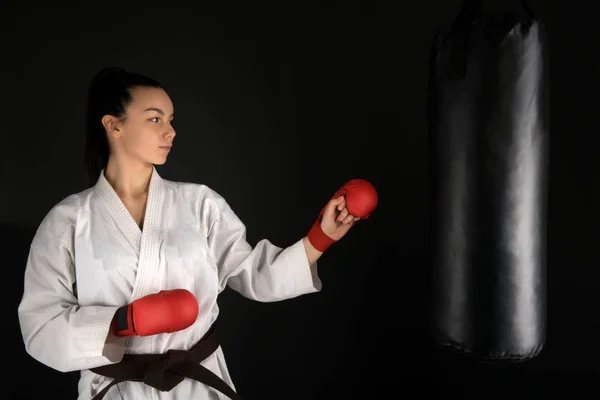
column 129, row 180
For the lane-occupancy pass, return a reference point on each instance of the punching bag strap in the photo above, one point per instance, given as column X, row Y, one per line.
column 469, row 11
column 472, row 9
column 457, row 61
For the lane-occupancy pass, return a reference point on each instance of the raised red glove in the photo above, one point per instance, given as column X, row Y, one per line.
column 361, row 200
column 167, row 311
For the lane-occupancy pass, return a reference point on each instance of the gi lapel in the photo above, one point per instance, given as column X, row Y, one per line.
column 119, row 213
column 146, row 242
column 150, row 240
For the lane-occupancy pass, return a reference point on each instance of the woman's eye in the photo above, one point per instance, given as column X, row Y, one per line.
column 155, row 119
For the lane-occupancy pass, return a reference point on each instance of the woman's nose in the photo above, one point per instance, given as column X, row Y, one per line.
column 170, row 133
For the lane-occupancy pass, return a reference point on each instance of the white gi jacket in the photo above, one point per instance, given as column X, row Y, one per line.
column 89, row 257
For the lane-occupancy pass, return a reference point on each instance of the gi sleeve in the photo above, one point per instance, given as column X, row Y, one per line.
column 265, row 273
column 56, row 331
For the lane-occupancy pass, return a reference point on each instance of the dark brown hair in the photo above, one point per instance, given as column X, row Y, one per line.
column 109, row 93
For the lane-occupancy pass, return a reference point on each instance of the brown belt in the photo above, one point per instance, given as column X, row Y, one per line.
column 165, row 371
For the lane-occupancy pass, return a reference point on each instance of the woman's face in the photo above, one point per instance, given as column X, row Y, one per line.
column 147, row 133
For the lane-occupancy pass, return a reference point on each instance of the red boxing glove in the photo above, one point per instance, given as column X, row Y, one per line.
column 361, row 200
column 167, row 311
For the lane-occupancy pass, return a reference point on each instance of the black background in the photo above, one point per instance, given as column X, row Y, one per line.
column 276, row 108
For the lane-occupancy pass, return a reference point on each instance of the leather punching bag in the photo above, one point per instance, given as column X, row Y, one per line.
column 488, row 127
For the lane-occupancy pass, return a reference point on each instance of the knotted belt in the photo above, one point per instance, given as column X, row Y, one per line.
column 165, row 371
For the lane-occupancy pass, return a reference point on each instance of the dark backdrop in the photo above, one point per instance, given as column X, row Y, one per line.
column 276, row 108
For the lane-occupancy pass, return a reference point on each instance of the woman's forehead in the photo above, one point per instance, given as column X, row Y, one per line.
column 151, row 99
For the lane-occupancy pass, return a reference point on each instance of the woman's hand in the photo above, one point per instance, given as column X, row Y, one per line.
column 337, row 221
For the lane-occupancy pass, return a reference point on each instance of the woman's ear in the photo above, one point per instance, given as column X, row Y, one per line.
column 112, row 125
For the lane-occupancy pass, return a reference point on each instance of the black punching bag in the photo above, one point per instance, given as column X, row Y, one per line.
column 488, row 127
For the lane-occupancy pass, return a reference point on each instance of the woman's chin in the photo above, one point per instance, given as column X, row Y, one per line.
column 159, row 160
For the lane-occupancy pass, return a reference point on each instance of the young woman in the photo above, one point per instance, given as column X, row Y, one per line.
column 122, row 279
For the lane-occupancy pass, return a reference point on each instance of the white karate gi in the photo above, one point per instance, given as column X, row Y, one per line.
column 89, row 257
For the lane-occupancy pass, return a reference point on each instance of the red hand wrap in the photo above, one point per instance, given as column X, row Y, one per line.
column 316, row 236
